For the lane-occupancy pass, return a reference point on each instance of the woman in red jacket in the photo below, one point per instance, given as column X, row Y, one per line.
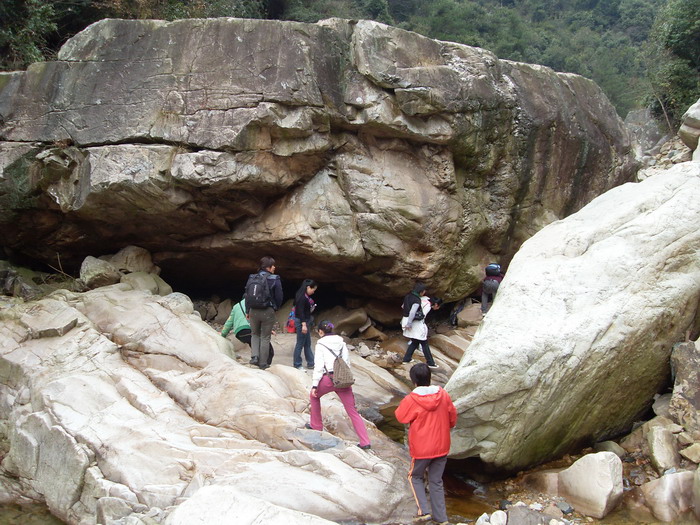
column 431, row 414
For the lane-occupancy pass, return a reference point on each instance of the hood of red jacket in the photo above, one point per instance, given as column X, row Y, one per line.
column 427, row 397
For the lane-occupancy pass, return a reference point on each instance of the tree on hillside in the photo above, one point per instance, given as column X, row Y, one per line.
column 673, row 59
column 25, row 26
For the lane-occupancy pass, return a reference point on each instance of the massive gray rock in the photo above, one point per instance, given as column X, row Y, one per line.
column 356, row 153
column 579, row 337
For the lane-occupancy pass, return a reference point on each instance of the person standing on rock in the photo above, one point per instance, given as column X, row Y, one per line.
column 415, row 307
column 238, row 322
column 304, row 305
column 328, row 347
column 263, row 297
column 489, row 286
column 431, row 414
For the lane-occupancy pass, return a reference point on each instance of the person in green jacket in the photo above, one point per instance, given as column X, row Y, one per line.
column 238, row 322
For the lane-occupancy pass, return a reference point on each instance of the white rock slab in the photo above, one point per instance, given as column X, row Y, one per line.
column 593, row 484
column 578, row 341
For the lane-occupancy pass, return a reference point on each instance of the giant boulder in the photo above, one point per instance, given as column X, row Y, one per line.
column 356, row 153
column 579, row 337
column 117, row 402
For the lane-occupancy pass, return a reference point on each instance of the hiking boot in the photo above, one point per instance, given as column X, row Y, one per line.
column 309, row 367
column 308, row 426
column 299, row 367
column 433, row 366
column 422, row 518
column 253, row 361
column 364, row 447
column 264, row 366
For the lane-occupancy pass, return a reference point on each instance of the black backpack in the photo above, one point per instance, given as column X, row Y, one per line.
column 257, row 291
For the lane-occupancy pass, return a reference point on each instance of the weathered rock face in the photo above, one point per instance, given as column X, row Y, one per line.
column 690, row 127
column 117, row 402
column 579, row 337
column 354, row 152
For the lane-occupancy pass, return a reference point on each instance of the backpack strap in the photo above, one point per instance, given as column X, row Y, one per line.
column 331, row 351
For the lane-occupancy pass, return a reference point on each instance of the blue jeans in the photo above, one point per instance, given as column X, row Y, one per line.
column 303, row 341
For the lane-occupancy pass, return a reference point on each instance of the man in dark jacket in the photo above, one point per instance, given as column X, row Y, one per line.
column 262, row 319
column 431, row 414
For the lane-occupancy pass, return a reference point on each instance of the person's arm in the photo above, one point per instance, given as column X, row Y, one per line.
column 345, row 354
column 277, row 296
column 404, row 412
column 319, row 365
column 228, row 325
column 412, row 312
column 303, row 313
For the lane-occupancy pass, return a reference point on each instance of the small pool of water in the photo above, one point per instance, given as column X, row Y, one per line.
column 27, row 515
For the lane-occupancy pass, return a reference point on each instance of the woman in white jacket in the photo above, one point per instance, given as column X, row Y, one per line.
column 322, row 382
column 416, row 306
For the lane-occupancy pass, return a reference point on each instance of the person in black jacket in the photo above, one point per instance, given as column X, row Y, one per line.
column 303, row 307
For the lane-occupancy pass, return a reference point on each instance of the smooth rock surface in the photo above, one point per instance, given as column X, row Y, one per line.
column 593, row 484
column 622, row 281
column 117, row 402
column 689, row 131
column 669, row 496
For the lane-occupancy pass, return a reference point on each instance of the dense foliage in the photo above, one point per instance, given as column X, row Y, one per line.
column 639, row 51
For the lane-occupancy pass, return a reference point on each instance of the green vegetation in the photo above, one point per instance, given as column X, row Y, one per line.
column 641, row 52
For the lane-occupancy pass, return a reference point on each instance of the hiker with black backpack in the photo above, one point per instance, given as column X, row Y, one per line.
column 263, row 297
column 332, row 373
column 238, row 323
column 489, row 286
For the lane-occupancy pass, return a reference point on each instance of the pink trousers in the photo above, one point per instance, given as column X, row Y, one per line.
column 347, row 398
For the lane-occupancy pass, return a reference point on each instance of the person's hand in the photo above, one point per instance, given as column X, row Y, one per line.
column 304, row 329
column 314, row 392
